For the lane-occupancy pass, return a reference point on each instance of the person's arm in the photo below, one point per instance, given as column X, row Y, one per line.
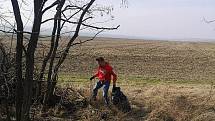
column 94, row 76
column 114, row 78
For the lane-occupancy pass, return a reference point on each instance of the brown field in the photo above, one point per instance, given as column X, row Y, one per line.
column 145, row 59
column 159, row 60
column 164, row 81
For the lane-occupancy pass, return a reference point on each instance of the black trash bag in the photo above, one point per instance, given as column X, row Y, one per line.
column 120, row 100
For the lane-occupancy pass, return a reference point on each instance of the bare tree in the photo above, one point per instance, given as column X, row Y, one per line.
column 6, row 79
column 19, row 44
column 78, row 14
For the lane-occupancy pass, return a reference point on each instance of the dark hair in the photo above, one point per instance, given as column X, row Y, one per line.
column 100, row 59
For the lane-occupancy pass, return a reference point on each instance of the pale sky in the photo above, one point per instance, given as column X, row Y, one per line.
column 165, row 19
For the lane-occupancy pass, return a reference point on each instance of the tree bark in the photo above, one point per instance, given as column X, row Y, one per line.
column 45, row 61
column 28, row 82
column 66, row 50
column 49, row 92
column 19, row 44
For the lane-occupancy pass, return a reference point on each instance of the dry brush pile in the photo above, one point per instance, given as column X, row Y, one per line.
column 174, row 102
column 7, row 81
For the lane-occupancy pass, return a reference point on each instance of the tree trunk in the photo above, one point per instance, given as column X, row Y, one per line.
column 45, row 61
column 65, row 52
column 49, row 92
column 19, row 44
column 28, row 82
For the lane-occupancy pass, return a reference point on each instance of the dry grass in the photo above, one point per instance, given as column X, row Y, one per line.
column 160, row 60
column 168, row 61
column 152, row 103
column 176, row 102
column 164, row 81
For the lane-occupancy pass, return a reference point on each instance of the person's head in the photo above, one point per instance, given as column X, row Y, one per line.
column 101, row 61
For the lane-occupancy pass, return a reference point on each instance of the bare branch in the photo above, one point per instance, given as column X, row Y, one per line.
column 49, row 7
column 96, row 27
column 9, row 32
column 63, row 15
column 73, row 7
column 211, row 21
column 24, row 32
column 81, row 42
column 69, row 17
column 65, row 52
column 86, row 25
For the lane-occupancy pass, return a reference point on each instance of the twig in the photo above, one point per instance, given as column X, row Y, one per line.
column 211, row 21
column 81, row 42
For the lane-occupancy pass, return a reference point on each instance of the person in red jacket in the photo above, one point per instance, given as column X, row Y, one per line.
column 104, row 74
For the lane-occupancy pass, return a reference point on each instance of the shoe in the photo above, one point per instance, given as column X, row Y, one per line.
column 107, row 103
column 93, row 98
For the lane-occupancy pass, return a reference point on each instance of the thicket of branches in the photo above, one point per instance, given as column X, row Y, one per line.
column 7, row 79
column 63, row 18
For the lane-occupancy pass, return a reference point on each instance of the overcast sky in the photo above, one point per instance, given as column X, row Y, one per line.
column 168, row 19
column 165, row 18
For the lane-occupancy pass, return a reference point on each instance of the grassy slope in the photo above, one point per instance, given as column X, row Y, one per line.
column 164, row 61
column 146, row 61
column 161, row 79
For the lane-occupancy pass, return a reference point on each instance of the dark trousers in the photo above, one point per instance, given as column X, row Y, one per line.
column 100, row 84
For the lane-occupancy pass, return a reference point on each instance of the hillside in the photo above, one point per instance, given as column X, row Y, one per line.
column 156, row 60
column 163, row 80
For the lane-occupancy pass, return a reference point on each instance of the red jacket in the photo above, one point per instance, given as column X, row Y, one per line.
column 104, row 73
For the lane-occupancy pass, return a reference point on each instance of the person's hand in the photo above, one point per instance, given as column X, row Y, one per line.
column 114, row 86
column 91, row 78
